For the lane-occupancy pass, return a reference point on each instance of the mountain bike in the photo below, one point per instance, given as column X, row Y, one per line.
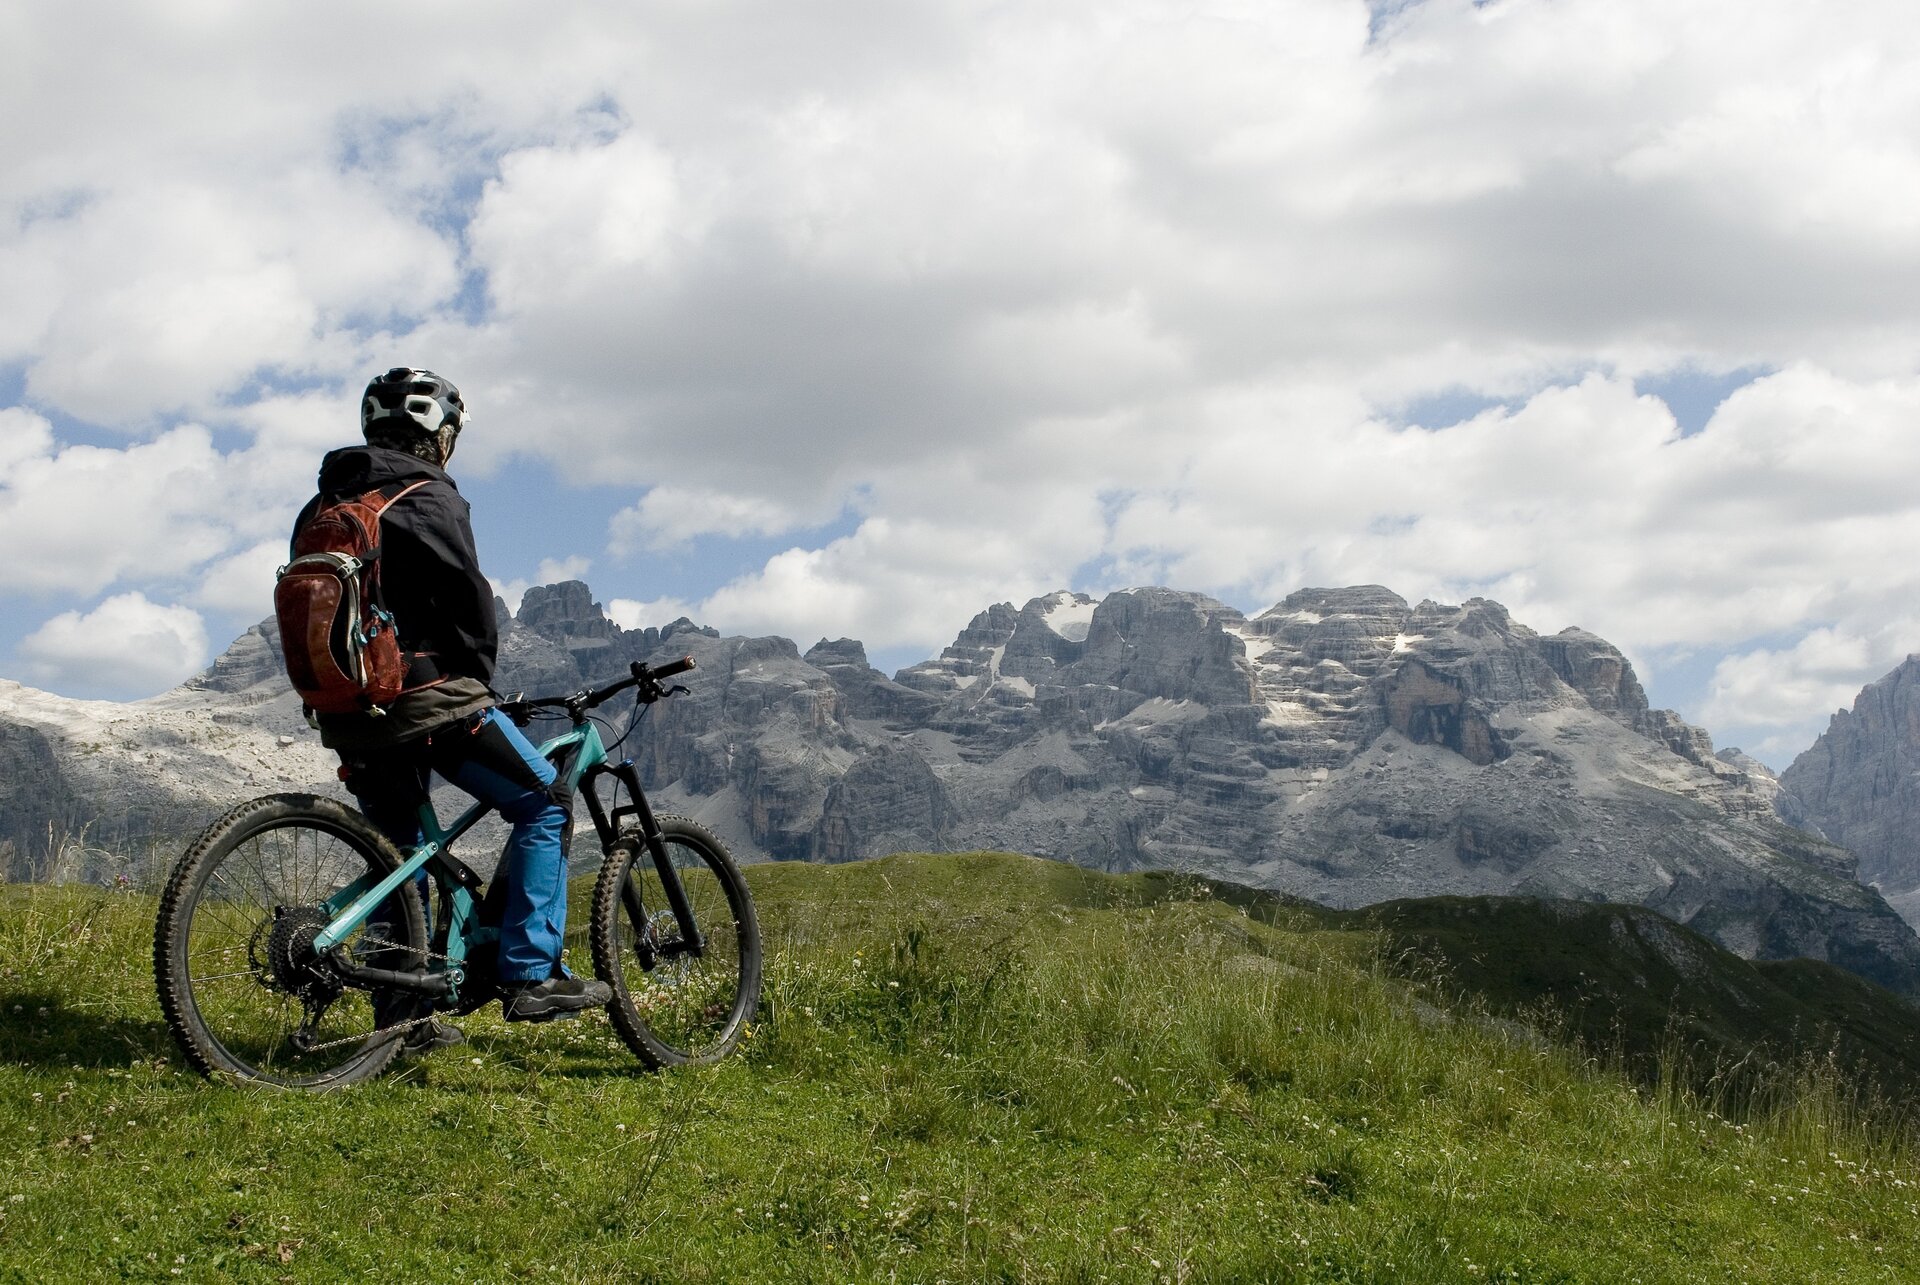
column 292, row 931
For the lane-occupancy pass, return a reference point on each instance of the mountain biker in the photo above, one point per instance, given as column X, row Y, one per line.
column 445, row 720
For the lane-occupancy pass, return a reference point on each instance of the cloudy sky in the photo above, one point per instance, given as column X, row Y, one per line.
column 850, row 317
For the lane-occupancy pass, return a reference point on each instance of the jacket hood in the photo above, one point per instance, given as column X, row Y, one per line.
column 355, row 469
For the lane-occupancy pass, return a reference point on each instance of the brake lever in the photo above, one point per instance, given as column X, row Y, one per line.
column 677, row 690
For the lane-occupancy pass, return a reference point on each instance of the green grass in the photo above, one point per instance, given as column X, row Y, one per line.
column 974, row 1067
column 1662, row 998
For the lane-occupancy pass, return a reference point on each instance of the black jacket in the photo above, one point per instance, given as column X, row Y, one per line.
column 429, row 571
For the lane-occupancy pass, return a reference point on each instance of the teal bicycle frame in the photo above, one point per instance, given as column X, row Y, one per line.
column 579, row 756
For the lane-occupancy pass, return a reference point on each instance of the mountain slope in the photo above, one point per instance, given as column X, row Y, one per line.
column 1621, row 978
column 1860, row 783
column 86, row 784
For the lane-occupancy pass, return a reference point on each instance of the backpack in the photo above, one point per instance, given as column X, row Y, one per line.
column 335, row 632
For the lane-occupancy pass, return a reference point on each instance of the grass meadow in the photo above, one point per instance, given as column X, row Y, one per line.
column 970, row 1067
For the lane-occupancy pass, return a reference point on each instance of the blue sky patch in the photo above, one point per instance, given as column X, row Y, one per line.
column 1445, row 408
column 1693, row 394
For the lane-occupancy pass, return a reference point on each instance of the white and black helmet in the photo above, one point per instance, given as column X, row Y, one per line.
column 413, row 402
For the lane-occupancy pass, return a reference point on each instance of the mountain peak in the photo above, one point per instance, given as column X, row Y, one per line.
column 1859, row 782
column 1353, row 600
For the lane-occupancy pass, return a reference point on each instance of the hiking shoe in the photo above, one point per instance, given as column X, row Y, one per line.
column 430, row 1036
column 545, row 1000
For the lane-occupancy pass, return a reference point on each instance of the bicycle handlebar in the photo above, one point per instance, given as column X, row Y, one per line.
column 646, row 678
column 667, row 670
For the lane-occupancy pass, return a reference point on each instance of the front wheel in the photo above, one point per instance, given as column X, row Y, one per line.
column 673, row 1006
column 244, row 992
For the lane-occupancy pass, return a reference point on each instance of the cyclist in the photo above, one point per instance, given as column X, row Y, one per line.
column 445, row 720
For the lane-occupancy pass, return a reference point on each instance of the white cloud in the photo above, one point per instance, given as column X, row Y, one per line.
column 1041, row 295
column 1780, row 699
column 558, row 220
column 670, row 515
column 1062, row 216
column 550, row 571
column 311, row 419
column 167, row 299
column 242, row 585
column 125, row 645
column 83, row 517
column 630, row 613
column 939, row 550
column 24, row 438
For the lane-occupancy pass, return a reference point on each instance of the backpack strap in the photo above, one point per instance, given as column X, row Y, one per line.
column 375, row 501
column 422, row 667
column 381, row 503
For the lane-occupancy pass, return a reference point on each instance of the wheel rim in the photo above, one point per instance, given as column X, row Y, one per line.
column 690, row 1005
column 250, row 973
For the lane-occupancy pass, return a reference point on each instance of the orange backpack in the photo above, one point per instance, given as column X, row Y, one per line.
column 335, row 632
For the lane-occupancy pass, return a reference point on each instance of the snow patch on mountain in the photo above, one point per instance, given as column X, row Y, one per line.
column 1069, row 614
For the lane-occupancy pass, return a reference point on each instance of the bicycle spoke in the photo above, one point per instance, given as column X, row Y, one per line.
column 241, row 980
column 241, row 930
column 253, row 858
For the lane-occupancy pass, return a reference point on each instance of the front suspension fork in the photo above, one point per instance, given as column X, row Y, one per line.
column 691, row 940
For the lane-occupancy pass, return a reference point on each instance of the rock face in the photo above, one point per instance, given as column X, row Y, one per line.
column 1342, row 745
column 36, row 803
column 97, row 788
column 1860, row 784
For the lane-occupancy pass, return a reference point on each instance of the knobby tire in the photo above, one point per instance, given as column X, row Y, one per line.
column 679, row 1010
column 215, row 946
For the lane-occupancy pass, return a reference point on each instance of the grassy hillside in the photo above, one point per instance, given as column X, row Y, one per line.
column 1625, row 980
column 975, row 1068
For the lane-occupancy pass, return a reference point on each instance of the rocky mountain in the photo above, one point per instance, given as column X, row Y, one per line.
column 1860, row 784
column 87, row 786
column 1343, row 746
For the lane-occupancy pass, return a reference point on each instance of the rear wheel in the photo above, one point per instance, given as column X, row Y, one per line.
column 672, row 1006
column 243, row 989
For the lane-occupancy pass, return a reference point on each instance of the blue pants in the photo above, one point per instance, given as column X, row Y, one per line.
column 486, row 756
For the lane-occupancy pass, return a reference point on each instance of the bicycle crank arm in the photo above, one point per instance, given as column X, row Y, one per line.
column 441, row 983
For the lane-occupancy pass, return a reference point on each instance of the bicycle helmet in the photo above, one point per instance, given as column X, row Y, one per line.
column 410, row 409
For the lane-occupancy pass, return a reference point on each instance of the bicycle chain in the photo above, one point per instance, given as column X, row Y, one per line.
column 361, row 1039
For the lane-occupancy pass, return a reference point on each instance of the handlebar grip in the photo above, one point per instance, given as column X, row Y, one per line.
column 667, row 670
